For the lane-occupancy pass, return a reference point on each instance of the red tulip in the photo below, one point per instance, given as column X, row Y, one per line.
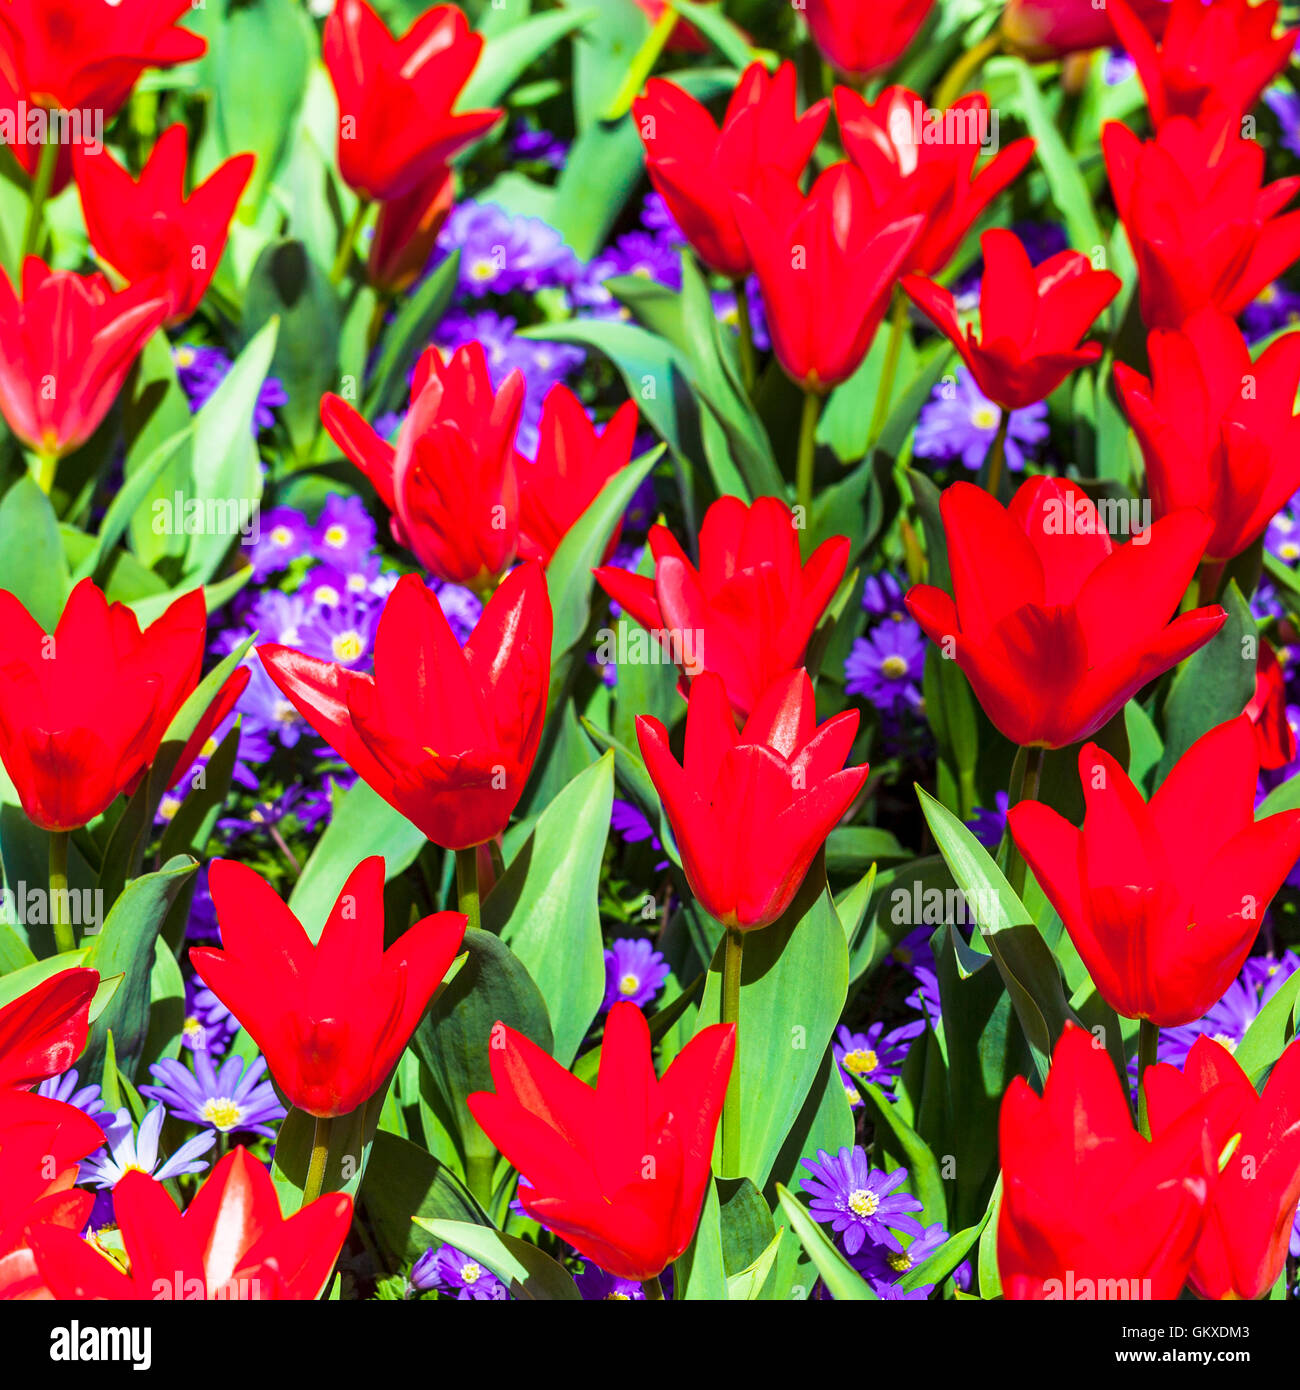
column 396, row 124
column 864, row 37
column 83, row 58
column 1217, row 430
column 1031, row 319
column 42, row 1142
column 1090, row 1209
column 1202, row 224
column 1163, row 900
column 1219, row 54
column 197, row 744
column 445, row 736
column 452, row 481
column 749, row 611
column 909, row 170
column 826, row 265
column 696, row 167
column 84, row 710
column 1275, row 740
column 749, row 811
column 1055, row 626
column 574, row 462
column 65, row 349
column 406, row 231
column 331, row 1017
column 619, row 1171
column 685, row 38
column 230, row 1243
column 1042, row 29
column 1253, row 1203
column 147, row 229
column 43, row 1031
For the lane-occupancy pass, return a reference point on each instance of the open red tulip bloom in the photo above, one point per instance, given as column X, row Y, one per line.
column 1043, row 29
column 1206, row 440
column 1253, row 1202
column 230, row 1243
column 1223, row 54
column 80, row 56
column 1163, row 900
column 42, row 1142
column 864, row 39
column 332, row 1017
column 84, row 711
column 397, row 126
column 1203, row 225
column 452, row 482
column 696, row 167
column 1055, row 626
column 1032, row 319
column 71, row 332
column 907, row 173
column 43, row 1031
column 826, row 265
column 1090, row 1209
column 619, row 1171
column 749, row 811
column 574, row 462
column 750, row 610
column 149, row 231
column 445, row 736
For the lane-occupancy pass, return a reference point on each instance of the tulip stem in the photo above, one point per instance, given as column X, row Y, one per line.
column 41, row 186
column 812, row 404
column 344, row 258
column 320, row 1148
column 997, row 455
column 748, row 361
column 1029, row 764
column 467, row 885
column 732, row 960
column 1148, row 1040
column 889, row 372
column 654, row 1290
column 60, row 917
column 46, row 467
column 954, row 81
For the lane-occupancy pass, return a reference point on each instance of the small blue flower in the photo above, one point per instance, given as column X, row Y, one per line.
column 634, row 971
column 960, row 422
column 128, row 1152
column 235, row 1099
column 858, row 1201
column 450, row 1271
column 886, row 666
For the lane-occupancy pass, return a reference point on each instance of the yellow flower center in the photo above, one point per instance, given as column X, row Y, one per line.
column 861, row 1061
column 894, row 667
column 629, row 984
column 168, row 806
column 337, row 537
column 328, row 595
column 985, row 417
column 347, row 646
column 899, row 1262
column 281, row 535
column 470, row 1274
column 863, row 1203
column 222, row 1112
column 184, row 356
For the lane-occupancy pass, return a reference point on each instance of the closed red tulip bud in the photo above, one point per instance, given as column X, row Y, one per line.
column 1275, row 740
column 696, row 167
column 1043, row 29
column 231, row 1242
column 826, row 265
column 406, row 232
column 1032, row 319
column 749, row 611
column 749, row 811
column 1217, row 430
column 83, row 710
column 618, row 1170
column 574, row 462
column 1090, row 1209
column 863, row 37
column 1055, row 626
column 331, row 1017
column 82, row 57
column 148, row 230
column 65, row 349
column 452, row 482
column 446, row 736
column 1203, row 225
column 1252, row 1204
column 916, row 164
column 397, row 123
column 42, row 1143
column 196, row 745
column 43, row 1031
column 1222, row 54
column 1163, row 900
